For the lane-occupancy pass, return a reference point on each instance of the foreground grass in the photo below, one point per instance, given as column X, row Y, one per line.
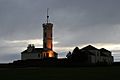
column 54, row 73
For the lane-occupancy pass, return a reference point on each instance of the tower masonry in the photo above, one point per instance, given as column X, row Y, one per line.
column 47, row 36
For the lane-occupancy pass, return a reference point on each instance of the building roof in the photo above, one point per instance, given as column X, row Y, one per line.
column 35, row 50
column 104, row 50
column 89, row 47
column 88, row 52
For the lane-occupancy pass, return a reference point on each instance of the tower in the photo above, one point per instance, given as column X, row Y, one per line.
column 41, row 53
column 47, row 35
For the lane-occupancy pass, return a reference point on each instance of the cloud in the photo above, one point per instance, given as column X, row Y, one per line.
column 17, row 46
column 9, row 58
column 116, row 57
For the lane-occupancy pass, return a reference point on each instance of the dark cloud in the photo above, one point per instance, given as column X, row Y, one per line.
column 75, row 22
column 91, row 21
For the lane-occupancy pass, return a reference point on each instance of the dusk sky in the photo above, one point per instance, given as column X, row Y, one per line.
column 76, row 23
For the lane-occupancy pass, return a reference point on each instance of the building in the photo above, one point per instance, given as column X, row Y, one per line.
column 91, row 55
column 40, row 53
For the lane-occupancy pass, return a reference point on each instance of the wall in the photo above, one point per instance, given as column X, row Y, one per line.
column 29, row 56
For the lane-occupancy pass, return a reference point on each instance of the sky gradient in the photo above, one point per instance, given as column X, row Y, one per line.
column 76, row 23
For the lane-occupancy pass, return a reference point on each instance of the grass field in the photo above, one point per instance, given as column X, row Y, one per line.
column 60, row 73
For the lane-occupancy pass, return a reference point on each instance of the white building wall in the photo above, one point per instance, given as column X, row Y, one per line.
column 29, row 56
column 100, row 59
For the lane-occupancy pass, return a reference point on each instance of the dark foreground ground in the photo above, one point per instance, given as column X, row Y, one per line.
column 52, row 69
column 61, row 73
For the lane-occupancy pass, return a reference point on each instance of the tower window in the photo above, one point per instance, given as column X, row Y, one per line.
column 51, row 34
column 45, row 34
